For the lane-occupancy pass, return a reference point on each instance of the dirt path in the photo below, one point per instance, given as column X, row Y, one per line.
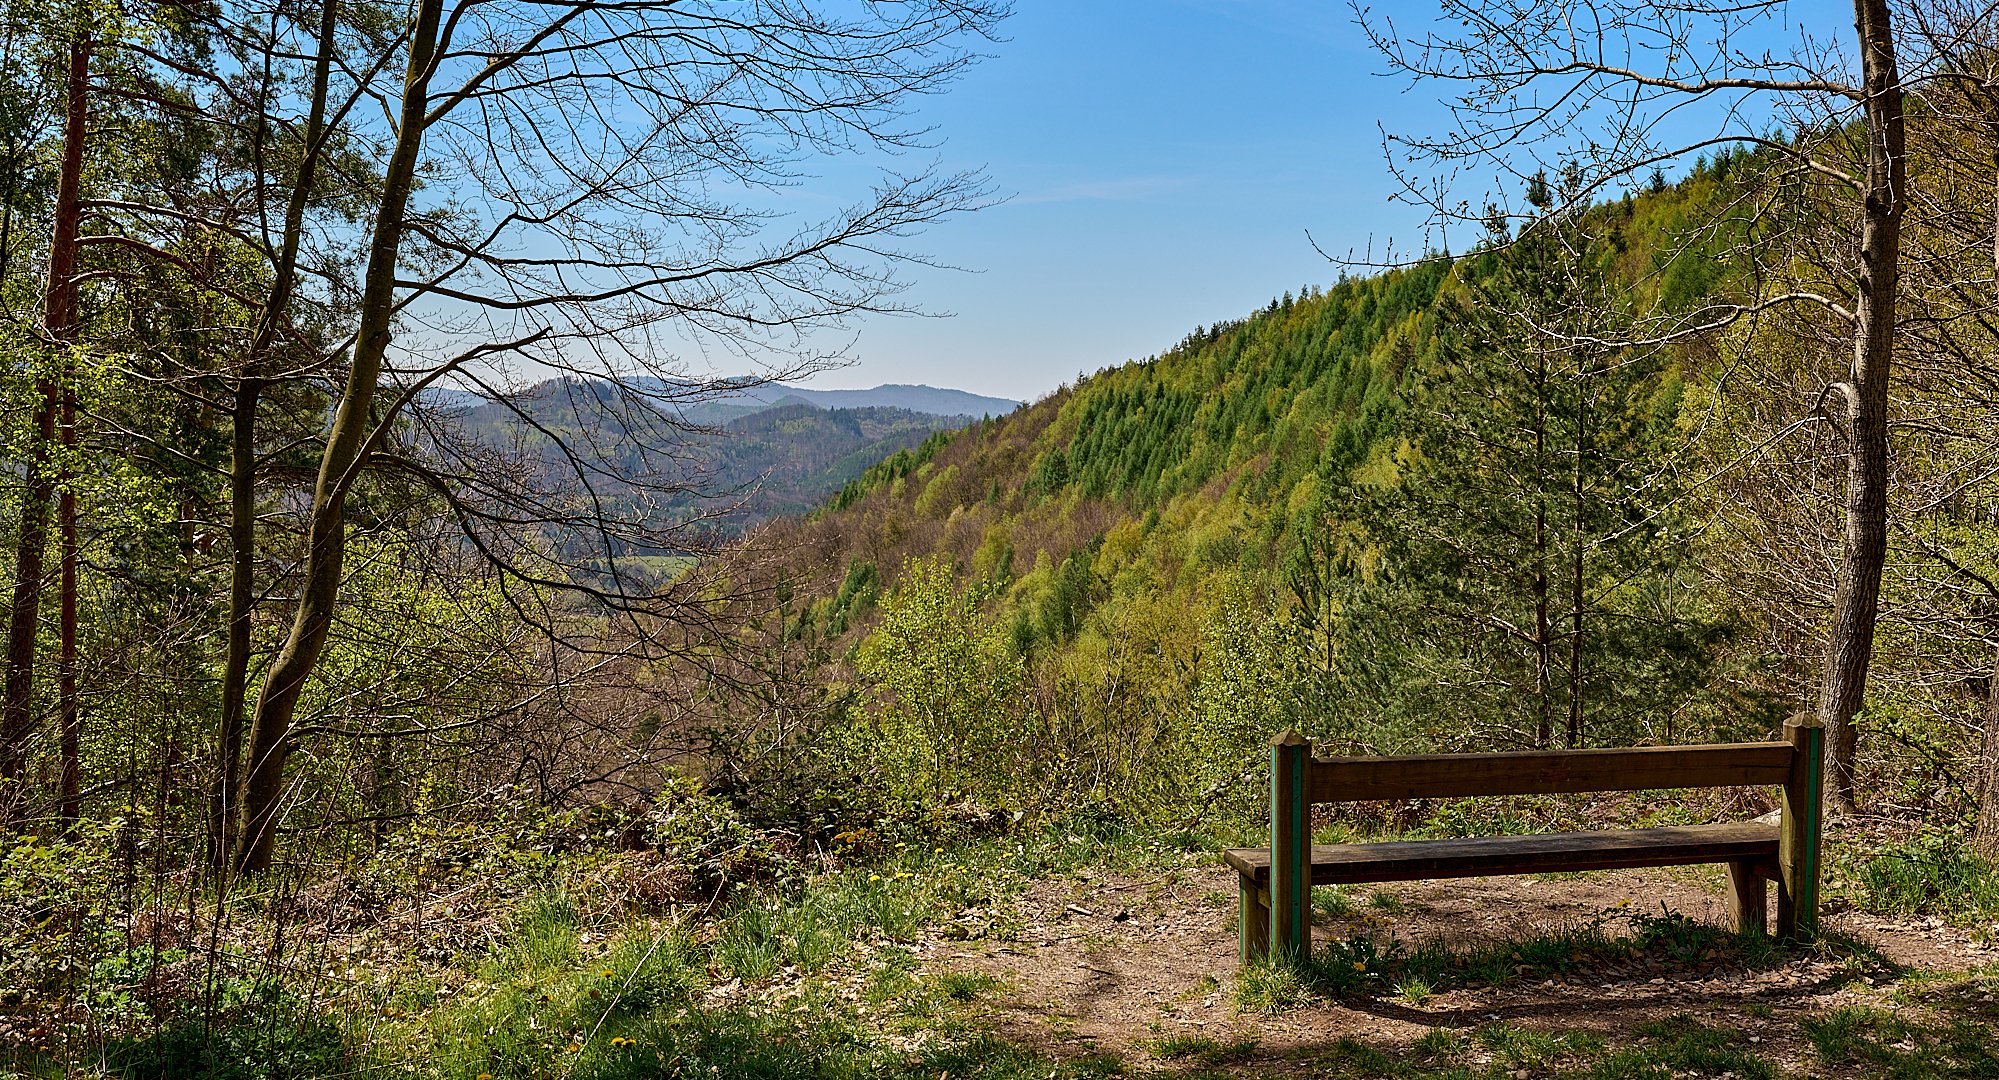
column 1105, row 963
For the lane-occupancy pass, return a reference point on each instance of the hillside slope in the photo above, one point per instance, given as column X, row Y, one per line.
column 753, row 458
column 1374, row 511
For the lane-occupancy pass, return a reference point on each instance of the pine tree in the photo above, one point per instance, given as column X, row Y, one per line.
column 1532, row 560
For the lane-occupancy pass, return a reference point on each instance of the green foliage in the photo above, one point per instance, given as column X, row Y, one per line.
column 1535, row 571
column 707, row 839
column 1270, row 987
column 1882, row 1043
column 1313, row 517
column 887, row 470
column 1365, row 963
column 249, row 1030
column 60, row 935
column 1237, row 704
column 1204, row 1050
column 1932, row 871
column 943, row 720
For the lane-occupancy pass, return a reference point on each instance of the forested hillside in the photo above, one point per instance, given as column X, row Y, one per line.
column 1382, row 512
column 735, row 460
column 371, row 706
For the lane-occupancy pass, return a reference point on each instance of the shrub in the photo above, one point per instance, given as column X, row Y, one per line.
column 256, row 1031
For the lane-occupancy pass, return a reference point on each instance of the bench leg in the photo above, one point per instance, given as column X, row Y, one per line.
column 1748, row 897
column 1255, row 920
column 1788, row 909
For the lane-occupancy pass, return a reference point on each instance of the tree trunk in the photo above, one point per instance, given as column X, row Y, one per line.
column 1986, row 837
column 59, row 319
column 1577, row 564
column 1544, row 645
column 227, row 796
column 270, row 729
column 242, row 597
column 1850, row 646
column 71, row 805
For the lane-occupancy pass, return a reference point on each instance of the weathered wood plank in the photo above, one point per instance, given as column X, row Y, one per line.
column 1749, row 897
column 1254, row 930
column 1415, row 860
column 1290, row 843
column 1798, row 861
column 1549, row 772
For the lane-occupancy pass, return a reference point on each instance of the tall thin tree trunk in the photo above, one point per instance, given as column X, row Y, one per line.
column 1986, row 836
column 242, row 598
column 271, row 727
column 243, row 463
column 59, row 319
column 1580, row 548
column 1850, row 645
column 66, row 705
column 1544, row 719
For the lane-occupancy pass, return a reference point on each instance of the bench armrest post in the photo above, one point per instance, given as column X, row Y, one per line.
column 1290, row 847
column 1798, row 840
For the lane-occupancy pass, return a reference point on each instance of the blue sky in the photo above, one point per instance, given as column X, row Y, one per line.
column 1165, row 161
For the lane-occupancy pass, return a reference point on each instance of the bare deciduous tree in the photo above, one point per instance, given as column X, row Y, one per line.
column 556, row 192
column 1598, row 92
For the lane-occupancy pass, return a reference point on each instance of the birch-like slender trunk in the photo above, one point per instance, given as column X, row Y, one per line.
column 1850, row 643
column 271, row 727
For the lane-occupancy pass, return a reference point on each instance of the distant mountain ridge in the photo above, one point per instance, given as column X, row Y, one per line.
column 937, row 401
column 722, row 402
column 690, row 449
column 727, row 399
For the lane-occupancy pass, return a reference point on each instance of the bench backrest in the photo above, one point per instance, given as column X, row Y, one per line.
column 1547, row 772
column 1297, row 780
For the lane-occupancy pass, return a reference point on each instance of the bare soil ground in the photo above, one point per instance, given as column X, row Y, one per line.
column 1108, row 963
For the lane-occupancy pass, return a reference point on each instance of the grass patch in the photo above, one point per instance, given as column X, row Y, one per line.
column 1204, row 1050
column 1386, row 902
column 1415, row 991
column 1682, row 1046
column 1933, row 872
column 1332, row 902
column 1957, row 1044
column 1270, row 988
column 1368, row 963
column 967, row 985
column 1675, row 1048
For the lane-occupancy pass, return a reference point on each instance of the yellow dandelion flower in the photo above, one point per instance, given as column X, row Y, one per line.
column 1360, row 965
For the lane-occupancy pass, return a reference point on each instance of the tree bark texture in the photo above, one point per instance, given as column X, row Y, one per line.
column 271, row 727
column 227, row 796
column 68, row 719
column 1850, row 643
column 59, row 320
column 242, row 597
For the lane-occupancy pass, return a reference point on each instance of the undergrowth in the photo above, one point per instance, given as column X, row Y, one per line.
column 811, row 970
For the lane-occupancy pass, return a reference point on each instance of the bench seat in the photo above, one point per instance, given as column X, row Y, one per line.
column 1749, row 849
column 1276, row 912
column 1541, row 853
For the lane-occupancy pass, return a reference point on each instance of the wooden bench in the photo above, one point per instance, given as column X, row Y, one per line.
column 1277, row 881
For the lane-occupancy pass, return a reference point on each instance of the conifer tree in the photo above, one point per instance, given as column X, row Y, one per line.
column 1531, row 553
